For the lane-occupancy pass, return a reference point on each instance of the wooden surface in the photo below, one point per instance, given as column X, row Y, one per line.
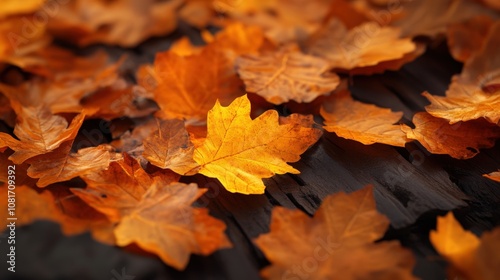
column 412, row 187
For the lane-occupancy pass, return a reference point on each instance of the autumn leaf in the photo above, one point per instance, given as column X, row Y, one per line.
column 39, row 132
column 62, row 165
column 57, row 205
column 366, row 45
column 467, row 37
column 237, row 39
column 14, row 46
column 240, row 151
column 164, row 222
column 283, row 21
column 111, row 21
column 495, row 176
column 365, row 123
column 181, row 96
column 471, row 257
column 475, row 93
column 286, row 75
column 390, row 65
column 461, row 140
column 339, row 238
column 117, row 100
column 64, row 86
column 430, row 18
column 117, row 190
column 170, row 148
column 153, row 211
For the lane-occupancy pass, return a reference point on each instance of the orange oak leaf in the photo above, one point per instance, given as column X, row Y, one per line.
column 56, row 204
column 181, row 96
column 467, row 37
column 116, row 191
column 39, row 132
column 170, row 148
column 366, row 45
column 165, row 223
column 62, row 165
column 285, row 75
column 495, row 176
column 111, row 21
column 240, row 151
column 461, row 140
column 472, row 258
column 339, row 238
column 365, row 123
column 475, row 93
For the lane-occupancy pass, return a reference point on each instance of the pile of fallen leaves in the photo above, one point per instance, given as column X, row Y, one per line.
column 208, row 109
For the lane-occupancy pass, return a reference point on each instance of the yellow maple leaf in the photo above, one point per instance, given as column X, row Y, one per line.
column 240, row 151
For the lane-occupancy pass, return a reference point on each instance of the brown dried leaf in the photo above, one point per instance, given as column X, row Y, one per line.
column 39, row 132
column 164, row 223
column 286, row 75
column 467, row 37
column 366, row 45
column 430, row 17
column 475, row 93
column 170, row 148
column 111, row 21
column 461, row 140
column 362, row 122
column 56, row 204
column 62, row 165
column 117, row 190
column 339, row 237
